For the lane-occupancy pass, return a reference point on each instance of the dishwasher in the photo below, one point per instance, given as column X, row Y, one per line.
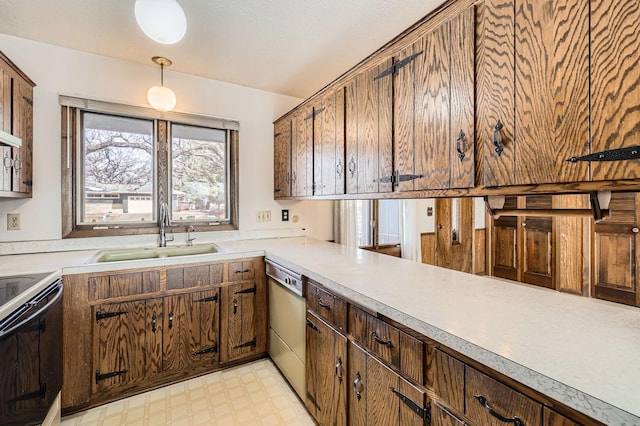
column 287, row 313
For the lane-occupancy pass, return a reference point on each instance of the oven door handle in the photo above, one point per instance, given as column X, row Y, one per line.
column 57, row 287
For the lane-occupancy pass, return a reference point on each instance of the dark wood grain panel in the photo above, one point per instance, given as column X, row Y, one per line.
column 462, row 83
column 572, row 243
column 175, row 278
column 302, row 152
column 132, row 341
column 538, row 263
column 282, row 158
column 504, row 256
column 216, row 273
column 351, row 135
column 615, row 84
column 312, row 365
column 154, row 310
column 196, row 276
column 28, row 375
column 432, row 119
column 440, row 416
column 552, row 90
column 328, row 144
column 428, row 247
column 358, row 324
column 411, row 358
column 206, row 304
column 358, row 381
column 150, row 281
column 495, row 91
column 404, row 117
column 385, row 343
column 407, row 417
column 125, row 284
column 385, row 128
column 98, row 287
column 327, row 306
column 173, row 342
column 382, row 405
column 501, row 398
column 551, row 418
column 448, row 381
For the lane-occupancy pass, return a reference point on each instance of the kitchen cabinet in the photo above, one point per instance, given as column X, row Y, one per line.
column 16, row 121
column 302, row 152
column 243, row 322
column 369, row 129
column 615, row 85
column 282, row 158
column 326, row 372
column 328, row 143
column 551, row 418
column 532, row 70
column 130, row 330
column 380, row 396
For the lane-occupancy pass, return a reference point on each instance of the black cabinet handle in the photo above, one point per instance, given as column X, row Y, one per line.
column 380, row 341
column 339, row 369
column 241, row 271
column 170, row 320
column 154, row 321
column 323, row 305
column 235, row 306
column 497, row 138
column 483, row 401
column 459, row 141
column 358, row 387
column 339, row 169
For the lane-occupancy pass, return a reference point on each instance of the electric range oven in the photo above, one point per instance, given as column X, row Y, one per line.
column 30, row 347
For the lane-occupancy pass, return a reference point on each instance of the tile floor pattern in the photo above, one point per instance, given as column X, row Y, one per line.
column 250, row 394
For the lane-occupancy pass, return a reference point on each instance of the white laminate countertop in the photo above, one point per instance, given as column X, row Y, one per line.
column 582, row 352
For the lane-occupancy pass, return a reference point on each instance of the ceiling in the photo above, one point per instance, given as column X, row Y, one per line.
column 292, row 47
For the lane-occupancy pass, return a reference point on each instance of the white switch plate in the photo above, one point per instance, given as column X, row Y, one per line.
column 13, row 222
column 263, row 216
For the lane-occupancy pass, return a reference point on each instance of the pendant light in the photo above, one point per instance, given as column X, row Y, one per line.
column 160, row 97
column 163, row 21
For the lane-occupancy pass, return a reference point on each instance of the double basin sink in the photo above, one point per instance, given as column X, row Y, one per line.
column 120, row 255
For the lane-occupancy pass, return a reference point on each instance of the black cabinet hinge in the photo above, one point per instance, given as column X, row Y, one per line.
column 396, row 178
column 213, row 298
column 212, row 349
column 28, row 182
column 103, row 315
column 29, row 100
column 40, row 393
column 108, row 375
column 249, row 344
column 247, row 290
column 314, row 114
column 619, row 154
column 312, row 326
column 397, row 66
column 424, row 413
column 275, row 135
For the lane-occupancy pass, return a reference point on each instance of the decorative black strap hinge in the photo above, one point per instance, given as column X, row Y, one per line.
column 212, row 349
column 40, row 393
column 213, row 298
column 276, row 189
column 29, row 100
column 396, row 178
column 393, row 69
column 247, row 290
column 249, row 344
column 275, row 135
column 312, row 326
column 103, row 315
column 108, row 375
column 619, row 154
column 314, row 114
column 424, row 413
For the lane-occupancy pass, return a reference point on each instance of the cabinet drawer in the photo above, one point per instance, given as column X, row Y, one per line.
column 121, row 285
column 241, row 271
column 486, row 400
column 328, row 306
column 189, row 277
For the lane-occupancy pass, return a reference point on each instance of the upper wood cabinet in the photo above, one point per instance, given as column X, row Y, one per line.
column 328, row 144
column 302, row 152
column 282, row 158
column 368, row 123
column 533, row 94
column 16, row 119
column 615, row 85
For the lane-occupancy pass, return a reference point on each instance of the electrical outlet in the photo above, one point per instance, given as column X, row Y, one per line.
column 13, row 222
column 285, row 215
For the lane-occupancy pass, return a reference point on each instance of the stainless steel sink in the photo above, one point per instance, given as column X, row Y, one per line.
column 120, row 255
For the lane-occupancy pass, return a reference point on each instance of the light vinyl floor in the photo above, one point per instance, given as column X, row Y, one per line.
column 249, row 394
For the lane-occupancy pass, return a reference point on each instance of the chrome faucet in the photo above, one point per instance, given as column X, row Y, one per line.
column 190, row 229
column 164, row 220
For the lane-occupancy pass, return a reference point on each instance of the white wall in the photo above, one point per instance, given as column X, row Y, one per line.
column 57, row 70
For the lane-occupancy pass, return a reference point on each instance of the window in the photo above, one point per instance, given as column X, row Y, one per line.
column 120, row 163
column 378, row 223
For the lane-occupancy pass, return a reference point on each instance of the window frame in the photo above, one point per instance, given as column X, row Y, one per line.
column 374, row 229
column 71, row 162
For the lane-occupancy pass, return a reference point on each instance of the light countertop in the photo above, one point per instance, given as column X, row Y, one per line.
column 582, row 352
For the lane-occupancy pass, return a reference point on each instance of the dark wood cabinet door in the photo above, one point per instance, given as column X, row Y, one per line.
column 282, row 158
column 615, row 85
column 552, row 90
column 615, row 251
column 358, row 380
column 119, row 344
column 495, row 92
column 368, row 124
column 328, row 144
column 538, row 248
column 505, row 247
column 243, row 323
column 454, row 233
column 432, row 110
column 302, row 152
column 22, row 128
column 462, row 135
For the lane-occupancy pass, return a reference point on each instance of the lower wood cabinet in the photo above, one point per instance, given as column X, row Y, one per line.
column 326, row 373
column 127, row 331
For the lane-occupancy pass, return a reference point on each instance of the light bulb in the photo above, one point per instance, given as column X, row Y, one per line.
column 163, row 21
column 161, row 98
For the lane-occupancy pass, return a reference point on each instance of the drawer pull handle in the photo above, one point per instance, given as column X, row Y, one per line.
column 323, row 305
column 515, row 420
column 170, row 320
column 154, row 321
column 497, row 138
column 358, row 387
column 459, row 147
column 241, row 271
column 380, row 341
column 339, row 370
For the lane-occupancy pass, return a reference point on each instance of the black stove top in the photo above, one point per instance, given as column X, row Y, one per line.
column 13, row 286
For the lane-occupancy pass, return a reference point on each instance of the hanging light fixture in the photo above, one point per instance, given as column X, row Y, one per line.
column 160, row 97
column 163, row 21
